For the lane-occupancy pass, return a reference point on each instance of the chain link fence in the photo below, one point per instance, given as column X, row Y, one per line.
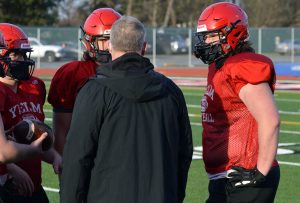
column 166, row 47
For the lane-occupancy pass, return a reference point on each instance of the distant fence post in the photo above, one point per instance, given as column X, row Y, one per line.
column 154, row 46
column 259, row 40
column 38, row 34
column 79, row 45
column 190, row 48
column 292, row 45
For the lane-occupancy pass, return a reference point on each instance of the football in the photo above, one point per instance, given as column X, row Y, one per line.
column 26, row 131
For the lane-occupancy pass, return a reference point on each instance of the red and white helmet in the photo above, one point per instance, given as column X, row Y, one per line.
column 97, row 27
column 17, row 42
column 15, row 38
column 2, row 43
column 226, row 19
column 3, row 48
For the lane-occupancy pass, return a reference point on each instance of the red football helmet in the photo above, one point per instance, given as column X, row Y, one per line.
column 227, row 20
column 2, row 43
column 97, row 28
column 17, row 42
column 3, row 49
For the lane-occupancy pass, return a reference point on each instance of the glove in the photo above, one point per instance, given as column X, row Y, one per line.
column 241, row 177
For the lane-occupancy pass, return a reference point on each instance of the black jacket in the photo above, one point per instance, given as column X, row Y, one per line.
column 130, row 139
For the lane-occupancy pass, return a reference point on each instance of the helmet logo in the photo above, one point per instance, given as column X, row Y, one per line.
column 107, row 32
column 25, row 46
column 34, row 82
column 201, row 28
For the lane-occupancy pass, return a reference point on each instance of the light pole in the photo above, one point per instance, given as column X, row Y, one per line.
column 237, row 2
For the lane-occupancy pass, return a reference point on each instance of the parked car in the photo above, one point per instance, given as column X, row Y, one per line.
column 167, row 43
column 70, row 50
column 45, row 51
column 285, row 47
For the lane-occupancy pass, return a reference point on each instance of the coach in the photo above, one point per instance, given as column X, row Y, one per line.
column 130, row 139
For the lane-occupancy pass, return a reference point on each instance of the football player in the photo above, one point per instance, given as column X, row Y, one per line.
column 71, row 76
column 22, row 96
column 10, row 151
column 239, row 116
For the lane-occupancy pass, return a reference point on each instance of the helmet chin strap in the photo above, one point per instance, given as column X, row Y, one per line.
column 220, row 61
column 3, row 65
column 103, row 56
column 2, row 73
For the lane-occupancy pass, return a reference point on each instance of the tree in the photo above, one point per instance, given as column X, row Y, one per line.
column 272, row 13
column 68, row 13
column 129, row 8
column 168, row 13
column 29, row 12
column 153, row 13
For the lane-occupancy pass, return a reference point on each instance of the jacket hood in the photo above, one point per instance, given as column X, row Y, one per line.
column 132, row 76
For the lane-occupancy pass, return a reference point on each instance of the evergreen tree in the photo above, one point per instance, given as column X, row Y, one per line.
column 29, row 12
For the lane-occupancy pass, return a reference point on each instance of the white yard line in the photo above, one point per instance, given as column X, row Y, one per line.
column 289, row 112
column 196, row 124
column 289, row 163
column 195, row 115
column 193, row 106
column 288, row 100
column 51, row 189
column 289, row 132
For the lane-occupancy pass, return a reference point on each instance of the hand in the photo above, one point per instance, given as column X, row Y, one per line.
column 241, row 177
column 52, row 157
column 57, row 164
column 39, row 142
column 27, row 131
column 19, row 182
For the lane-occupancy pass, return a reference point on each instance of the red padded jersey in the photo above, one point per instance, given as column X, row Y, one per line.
column 66, row 83
column 230, row 132
column 27, row 103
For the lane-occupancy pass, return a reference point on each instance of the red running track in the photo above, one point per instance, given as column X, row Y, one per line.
column 170, row 72
column 175, row 72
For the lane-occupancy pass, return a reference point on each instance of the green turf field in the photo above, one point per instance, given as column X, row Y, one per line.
column 289, row 106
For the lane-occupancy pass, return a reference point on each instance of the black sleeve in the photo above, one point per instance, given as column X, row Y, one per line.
column 185, row 148
column 81, row 145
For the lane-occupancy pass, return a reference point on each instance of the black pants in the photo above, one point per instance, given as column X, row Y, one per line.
column 221, row 190
column 37, row 197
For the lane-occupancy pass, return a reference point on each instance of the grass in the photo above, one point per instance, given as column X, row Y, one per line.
column 289, row 106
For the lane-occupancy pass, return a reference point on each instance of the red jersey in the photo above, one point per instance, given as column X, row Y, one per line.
column 66, row 83
column 230, row 132
column 27, row 103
